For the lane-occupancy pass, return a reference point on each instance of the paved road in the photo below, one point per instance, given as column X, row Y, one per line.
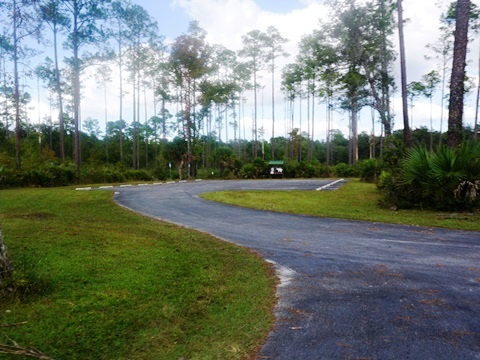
column 350, row 290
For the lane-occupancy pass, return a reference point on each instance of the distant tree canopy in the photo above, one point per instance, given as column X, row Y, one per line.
column 195, row 117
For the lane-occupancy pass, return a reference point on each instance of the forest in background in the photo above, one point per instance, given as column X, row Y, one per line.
column 200, row 92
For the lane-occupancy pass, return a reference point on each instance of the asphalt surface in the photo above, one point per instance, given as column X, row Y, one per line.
column 349, row 290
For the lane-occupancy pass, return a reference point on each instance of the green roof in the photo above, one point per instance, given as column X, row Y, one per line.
column 276, row 162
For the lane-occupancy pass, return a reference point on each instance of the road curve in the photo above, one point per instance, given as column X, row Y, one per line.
column 350, row 289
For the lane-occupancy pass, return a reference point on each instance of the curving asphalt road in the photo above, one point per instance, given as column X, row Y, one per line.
column 350, row 289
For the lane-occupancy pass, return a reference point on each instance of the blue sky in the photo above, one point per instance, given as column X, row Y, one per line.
column 227, row 20
column 173, row 19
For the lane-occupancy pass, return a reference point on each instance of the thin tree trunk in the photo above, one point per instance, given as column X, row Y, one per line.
column 76, row 88
column 106, row 120
column 372, row 138
column 379, row 105
column 146, row 121
column 60, row 96
column 407, row 138
column 273, row 108
column 134, row 104
column 475, row 128
column 138, row 119
column 120, row 69
column 457, row 81
column 226, row 124
column 16, row 93
column 5, row 104
column 312, row 144
column 164, row 120
column 442, row 102
column 254, row 147
column 354, row 136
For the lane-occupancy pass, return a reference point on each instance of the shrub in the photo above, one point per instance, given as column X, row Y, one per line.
column 321, row 170
column 106, row 174
column 64, row 174
column 306, row 169
column 10, row 178
column 248, row 171
column 392, row 196
column 256, row 170
column 445, row 179
column 370, row 169
column 161, row 173
column 138, row 175
column 344, row 170
column 38, row 177
column 291, row 169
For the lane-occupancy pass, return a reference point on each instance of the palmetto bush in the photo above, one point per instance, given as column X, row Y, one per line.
column 445, row 179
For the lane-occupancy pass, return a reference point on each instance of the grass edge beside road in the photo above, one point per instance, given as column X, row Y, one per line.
column 96, row 281
column 354, row 200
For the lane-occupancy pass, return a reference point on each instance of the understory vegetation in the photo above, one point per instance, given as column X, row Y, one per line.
column 442, row 178
column 164, row 161
column 445, row 179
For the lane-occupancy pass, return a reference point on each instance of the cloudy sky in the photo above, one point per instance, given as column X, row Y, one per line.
column 227, row 20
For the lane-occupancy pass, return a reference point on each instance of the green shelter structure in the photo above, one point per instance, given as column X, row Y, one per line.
column 276, row 168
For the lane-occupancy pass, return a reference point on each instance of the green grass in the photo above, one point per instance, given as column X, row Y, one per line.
column 94, row 281
column 355, row 200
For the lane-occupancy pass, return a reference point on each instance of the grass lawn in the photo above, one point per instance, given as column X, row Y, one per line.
column 95, row 281
column 355, row 200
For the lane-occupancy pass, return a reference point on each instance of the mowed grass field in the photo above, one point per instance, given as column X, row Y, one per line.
column 355, row 200
column 95, row 281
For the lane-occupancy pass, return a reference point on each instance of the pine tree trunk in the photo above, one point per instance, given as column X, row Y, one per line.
column 76, row 89
column 403, row 69
column 16, row 94
column 457, row 82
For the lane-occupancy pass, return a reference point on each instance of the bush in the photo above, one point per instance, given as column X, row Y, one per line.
column 370, row 170
column 444, row 180
column 138, row 175
column 10, row 178
column 258, row 169
column 344, row 170
column 38, row 177
column 106, row 174
column 161, row 173
column 248, row 171
column 64, row 174
column 321, row 170
column 305, row 169
column 291, row 169
column 392, row 196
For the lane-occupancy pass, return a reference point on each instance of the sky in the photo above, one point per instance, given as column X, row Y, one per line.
column 227, row 20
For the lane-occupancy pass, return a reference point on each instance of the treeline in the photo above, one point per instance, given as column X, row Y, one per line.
column 198, row 93
column 166, row 159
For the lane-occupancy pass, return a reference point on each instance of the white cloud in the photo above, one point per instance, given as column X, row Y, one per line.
column 227, row 20
column 224, row 20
